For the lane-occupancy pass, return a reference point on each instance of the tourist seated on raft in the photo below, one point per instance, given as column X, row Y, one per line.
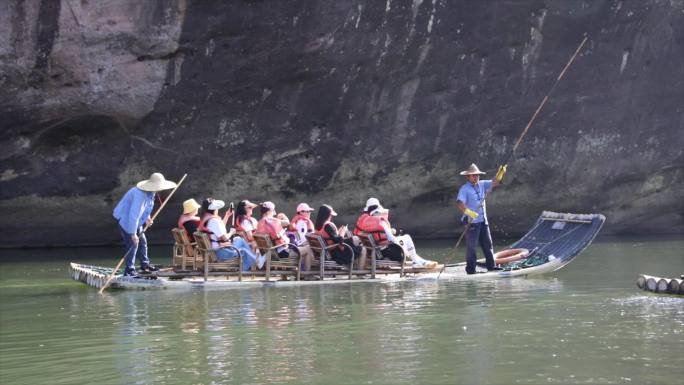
column 245, row 224
column 375, row 221
column 189, row 220
column 301, row 224
column 334, row 236
column 212, row 224
column 274, row 226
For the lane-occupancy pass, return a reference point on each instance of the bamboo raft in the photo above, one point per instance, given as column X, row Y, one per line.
column 553, row 242
column 661, row 285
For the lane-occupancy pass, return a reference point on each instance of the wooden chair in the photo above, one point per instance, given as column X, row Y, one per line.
column 211, row 263
column 184, row 250
column 322, row 258
column 273, row 262
column 377, row 262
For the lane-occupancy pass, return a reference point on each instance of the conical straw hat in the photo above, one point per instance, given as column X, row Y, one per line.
column 156, row 183
column 472, row 170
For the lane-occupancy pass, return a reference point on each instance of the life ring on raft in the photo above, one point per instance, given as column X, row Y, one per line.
column 510, row 255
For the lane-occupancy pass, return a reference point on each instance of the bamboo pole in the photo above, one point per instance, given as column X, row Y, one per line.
column 121, row 261
column 674, row 285
column 661, row 285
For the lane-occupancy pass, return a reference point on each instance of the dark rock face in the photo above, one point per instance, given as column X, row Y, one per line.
column 334, row 102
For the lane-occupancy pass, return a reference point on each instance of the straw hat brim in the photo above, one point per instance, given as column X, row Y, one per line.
column 153, row 186
column 473, row 173
column 190, row 206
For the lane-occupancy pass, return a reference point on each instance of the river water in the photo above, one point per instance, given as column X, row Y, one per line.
column 587, row 323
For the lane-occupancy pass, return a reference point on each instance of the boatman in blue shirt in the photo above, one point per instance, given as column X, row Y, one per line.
column 132, row 213
column 471, row 201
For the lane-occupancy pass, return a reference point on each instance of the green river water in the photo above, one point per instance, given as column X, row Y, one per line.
column 587, row 323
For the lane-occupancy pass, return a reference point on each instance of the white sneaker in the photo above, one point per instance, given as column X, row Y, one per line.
column 260, row 261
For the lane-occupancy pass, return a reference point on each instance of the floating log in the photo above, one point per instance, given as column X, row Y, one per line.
column 661, row 285
column 641, row 281
column 674, row 286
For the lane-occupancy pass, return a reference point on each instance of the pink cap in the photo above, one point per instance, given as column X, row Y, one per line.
column 304, row 207
column 268, row 205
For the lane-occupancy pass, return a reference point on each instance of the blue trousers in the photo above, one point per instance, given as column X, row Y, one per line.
column 133, row 250
column 478, row 233
column 248, row 256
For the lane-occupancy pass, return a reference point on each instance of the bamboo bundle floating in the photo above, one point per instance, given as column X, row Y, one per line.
column 91, row 276
column 641, row 281
column 675, row 286
column 661, row 285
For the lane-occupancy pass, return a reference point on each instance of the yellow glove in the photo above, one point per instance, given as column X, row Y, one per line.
column 472, row 214
column 500, row 173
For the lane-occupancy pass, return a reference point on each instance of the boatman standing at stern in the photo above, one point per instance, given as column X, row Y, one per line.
column 132, row 212
column 471, row 201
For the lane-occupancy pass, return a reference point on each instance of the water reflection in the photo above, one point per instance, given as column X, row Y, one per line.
column 583, row 324
column 353, row 331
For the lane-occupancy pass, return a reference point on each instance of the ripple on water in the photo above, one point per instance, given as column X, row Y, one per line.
column 563, row 328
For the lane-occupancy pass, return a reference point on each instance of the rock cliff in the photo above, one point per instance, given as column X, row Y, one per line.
column 336, row 101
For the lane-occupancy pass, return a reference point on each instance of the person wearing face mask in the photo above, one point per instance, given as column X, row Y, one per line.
column 471, row 202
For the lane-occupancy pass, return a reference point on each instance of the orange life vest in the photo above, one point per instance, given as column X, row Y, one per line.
column 240, row 219
column 240, row 230
column 203, row 225
column 327, row 237
column 187, row 218
column 359, row 223
column 373, row 225
column 272, row 227
column 298, row 217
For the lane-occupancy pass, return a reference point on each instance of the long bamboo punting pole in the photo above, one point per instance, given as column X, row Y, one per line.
column 121, row 261
column 520, row 138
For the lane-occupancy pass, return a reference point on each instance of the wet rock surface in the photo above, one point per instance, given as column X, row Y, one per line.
column 334, row 102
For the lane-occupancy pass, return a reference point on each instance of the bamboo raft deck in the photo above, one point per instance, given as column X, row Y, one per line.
column 554, row 241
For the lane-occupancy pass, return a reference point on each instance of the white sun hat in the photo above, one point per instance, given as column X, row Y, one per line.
column 216, row 204
column 372, row 202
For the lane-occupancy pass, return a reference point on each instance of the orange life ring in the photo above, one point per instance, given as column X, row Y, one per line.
column 510, row 255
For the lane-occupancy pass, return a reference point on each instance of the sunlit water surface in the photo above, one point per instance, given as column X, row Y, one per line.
column 587, row 323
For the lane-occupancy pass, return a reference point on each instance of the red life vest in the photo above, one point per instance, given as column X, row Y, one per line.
column 187, row 218
column 272, row 227
column 240, row 219
column 203, row 225
column 298, row 217
column 373, row 225
column 327, row 237
column 359, row 223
